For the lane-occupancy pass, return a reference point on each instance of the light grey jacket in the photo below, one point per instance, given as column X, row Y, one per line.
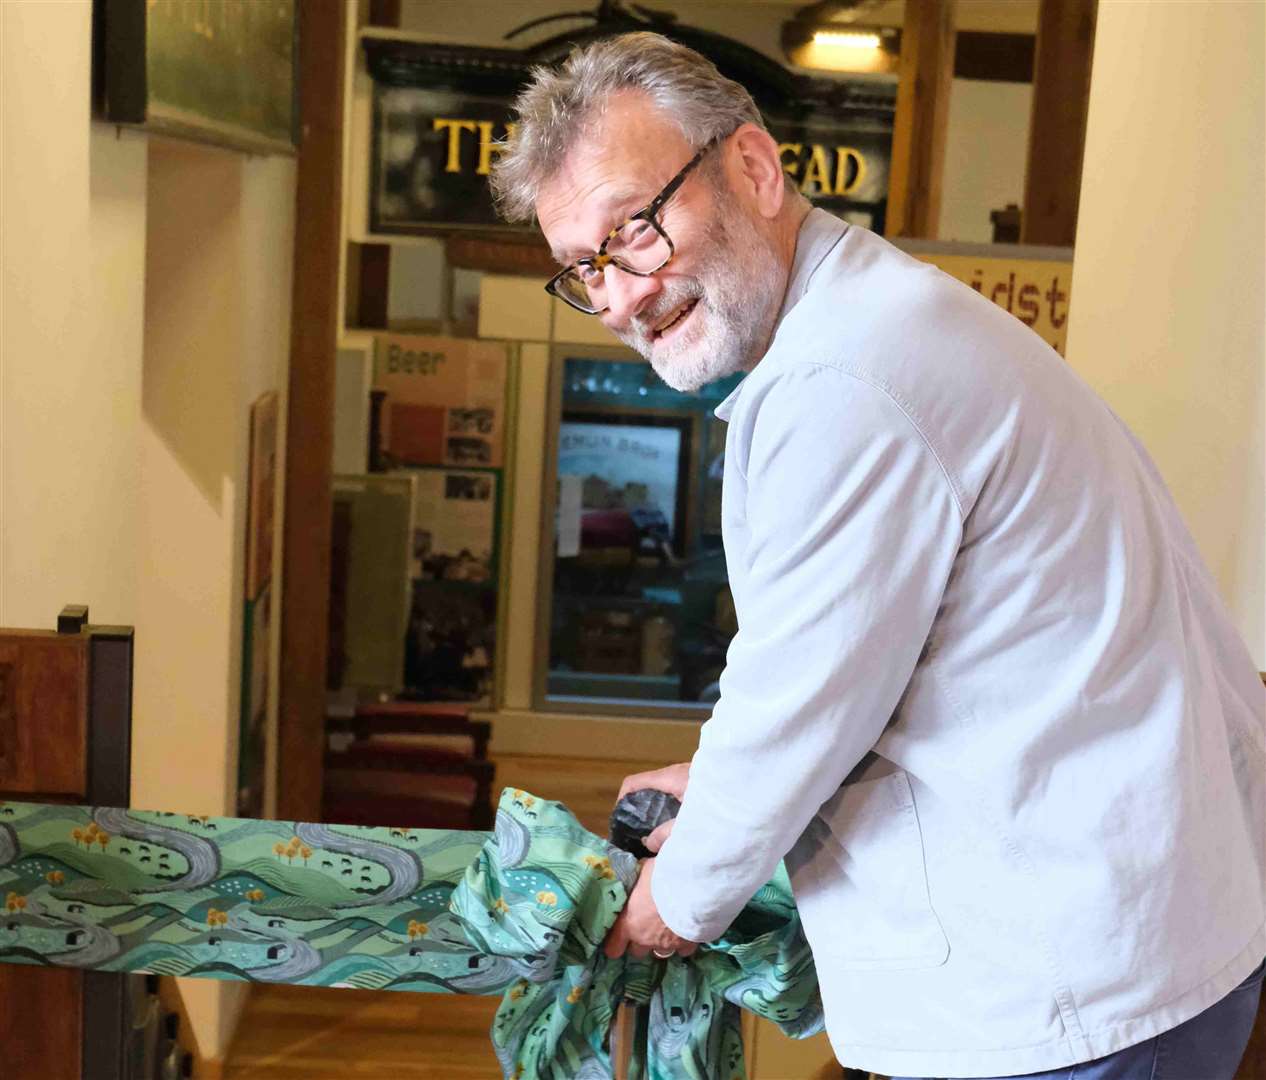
column 945, row 549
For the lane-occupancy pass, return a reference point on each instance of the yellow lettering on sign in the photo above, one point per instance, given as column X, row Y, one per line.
column 817, row 171
column 408, row 362
column 793, row 166
column 1034, row 291
column 843, row 155
column 455, row 129
column 486, row 148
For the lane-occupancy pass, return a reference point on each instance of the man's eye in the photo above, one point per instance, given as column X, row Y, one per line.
column 587, row 272
column 637, row 233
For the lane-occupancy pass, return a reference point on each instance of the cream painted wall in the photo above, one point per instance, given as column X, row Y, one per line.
column 1169, row 270
column 144, row 304
column 217, row 329
column 72, row 236
column 986, row 144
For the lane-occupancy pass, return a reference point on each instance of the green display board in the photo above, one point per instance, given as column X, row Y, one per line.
column 220, row 71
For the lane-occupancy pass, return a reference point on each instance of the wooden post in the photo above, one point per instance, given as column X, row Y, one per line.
column 918, row 140
column 373, row 279
column 314, row 329
column 1057, row 122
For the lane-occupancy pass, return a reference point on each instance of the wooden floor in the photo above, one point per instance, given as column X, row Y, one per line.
column 307, row 1033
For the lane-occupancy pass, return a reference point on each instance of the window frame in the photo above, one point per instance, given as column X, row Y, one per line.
column 542, row 700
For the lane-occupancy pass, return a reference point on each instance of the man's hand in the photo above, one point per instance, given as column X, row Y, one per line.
column 671, row 779
column 639, row 930
column 655, row 839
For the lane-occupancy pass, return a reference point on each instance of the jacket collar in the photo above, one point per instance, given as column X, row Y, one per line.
column 819, row 233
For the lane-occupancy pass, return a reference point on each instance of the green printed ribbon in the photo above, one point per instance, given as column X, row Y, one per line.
column 521, row 912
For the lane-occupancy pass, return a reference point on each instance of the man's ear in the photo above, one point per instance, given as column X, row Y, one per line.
column 757, row 168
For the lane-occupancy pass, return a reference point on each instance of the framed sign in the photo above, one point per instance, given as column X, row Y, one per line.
column 217, row 71
column 443, row 112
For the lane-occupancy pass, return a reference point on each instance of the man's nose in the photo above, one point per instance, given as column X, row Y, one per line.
column 627, row 295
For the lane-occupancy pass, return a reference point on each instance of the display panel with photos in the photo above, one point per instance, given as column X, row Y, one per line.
column 451, row 638
column 637, row 613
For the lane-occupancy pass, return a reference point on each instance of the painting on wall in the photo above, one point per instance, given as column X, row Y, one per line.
column 217, row 71
column 252, row 745
column 257, row 629
column 263, row 487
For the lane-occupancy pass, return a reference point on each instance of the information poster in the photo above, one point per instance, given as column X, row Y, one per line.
column 445, row 401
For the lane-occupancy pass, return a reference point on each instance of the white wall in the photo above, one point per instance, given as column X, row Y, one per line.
column 986, row 144
column 1168, row 274
column 144, row 304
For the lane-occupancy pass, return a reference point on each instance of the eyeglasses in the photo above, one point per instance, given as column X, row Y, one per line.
column 639, row 246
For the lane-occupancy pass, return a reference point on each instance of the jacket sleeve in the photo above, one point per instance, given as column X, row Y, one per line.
column 853, row 528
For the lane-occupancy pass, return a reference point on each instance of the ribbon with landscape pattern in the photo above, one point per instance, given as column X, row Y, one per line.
column 521, row 912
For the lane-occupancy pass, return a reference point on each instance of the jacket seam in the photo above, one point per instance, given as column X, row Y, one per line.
column 907, row 410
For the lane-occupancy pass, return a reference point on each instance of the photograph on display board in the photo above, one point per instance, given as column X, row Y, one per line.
column 454, row 525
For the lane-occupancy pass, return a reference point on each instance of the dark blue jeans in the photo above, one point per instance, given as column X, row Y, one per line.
column 1207, row 1047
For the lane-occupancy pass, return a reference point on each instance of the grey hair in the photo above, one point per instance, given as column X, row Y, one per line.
column 558, row 104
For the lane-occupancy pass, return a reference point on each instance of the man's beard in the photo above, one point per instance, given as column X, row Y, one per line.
column 738, row 288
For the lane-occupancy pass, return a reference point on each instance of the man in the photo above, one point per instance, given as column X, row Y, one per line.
column 983, row 699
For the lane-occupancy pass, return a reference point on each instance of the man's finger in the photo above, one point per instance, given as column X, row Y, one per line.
column 636, row 782
column 655, row 840
column 671, row 779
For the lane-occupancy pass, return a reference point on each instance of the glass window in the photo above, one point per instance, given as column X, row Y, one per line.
column 636, row 612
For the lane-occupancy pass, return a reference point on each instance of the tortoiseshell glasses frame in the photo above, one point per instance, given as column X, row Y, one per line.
column 573, row 283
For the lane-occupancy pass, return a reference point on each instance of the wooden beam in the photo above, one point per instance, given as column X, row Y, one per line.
column 1057, row 122
column 918, row 140
column 384, row 13
column 314, row 327
column 372, row 284
column 993, row 57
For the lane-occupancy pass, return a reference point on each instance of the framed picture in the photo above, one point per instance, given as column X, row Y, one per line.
column 262, row 481
column 216, row 71
column 252, row 742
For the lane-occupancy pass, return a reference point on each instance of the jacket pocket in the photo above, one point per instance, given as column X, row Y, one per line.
column 860, row 883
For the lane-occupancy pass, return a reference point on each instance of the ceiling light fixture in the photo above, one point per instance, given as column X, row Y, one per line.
column 850, row 39
column 809, row 42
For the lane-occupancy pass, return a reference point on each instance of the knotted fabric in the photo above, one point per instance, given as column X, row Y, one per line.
column 521, row 912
